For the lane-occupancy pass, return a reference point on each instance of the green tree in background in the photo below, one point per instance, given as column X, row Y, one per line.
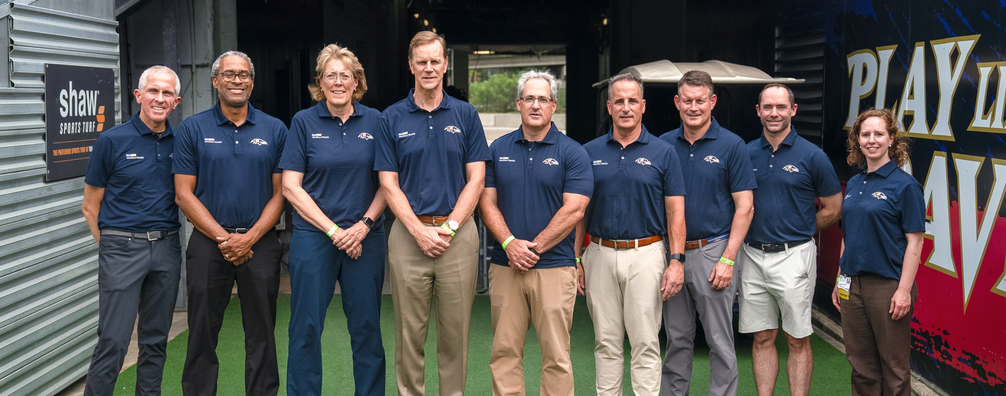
column 497, row 93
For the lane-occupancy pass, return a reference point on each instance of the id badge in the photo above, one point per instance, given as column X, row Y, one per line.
column 844, row 283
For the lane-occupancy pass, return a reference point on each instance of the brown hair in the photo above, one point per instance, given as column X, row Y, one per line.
column 899, row 143
column 425, row 37
column 789, row 91
column 696, row 78
column 334, row 51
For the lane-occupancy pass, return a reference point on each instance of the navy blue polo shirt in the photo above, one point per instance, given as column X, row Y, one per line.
column 429, row 150
column 133, row 165
column 337, row 160
column 233, row 164
column 530, row 178
column 879, row 208
column 630, row 185
column 788, row 182
column 716, row 166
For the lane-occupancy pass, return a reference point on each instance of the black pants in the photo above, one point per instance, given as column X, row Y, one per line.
column 210, row 279
column 134, row 276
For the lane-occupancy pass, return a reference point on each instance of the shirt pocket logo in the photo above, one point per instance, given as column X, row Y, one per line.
column 259, row 142
column 711, row 159
column 506, row 159
column 550, row 161
column 452, row 129
column 133, row 157
column 598, row 162
column 211, row 140
column 791, row 169
column 879, row 195
column 318, row 136
column 405, row 134
column 365, row 136
column 643, row 161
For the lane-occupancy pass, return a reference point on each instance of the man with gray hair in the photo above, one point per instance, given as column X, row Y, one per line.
column 227, row 182
column 625, row 273
column 129, row 205
column 537, row 187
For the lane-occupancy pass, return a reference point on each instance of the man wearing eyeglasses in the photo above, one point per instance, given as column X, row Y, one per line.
column 538, row 185
column 719, row 180
column 430, row 156
column 625, row 273
column 227, row 182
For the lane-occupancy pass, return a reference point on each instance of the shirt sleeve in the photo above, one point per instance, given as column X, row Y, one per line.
column 295, row 150
column 100, row 165
column 825, row 180
column 741, row 171
column 281, row 133
column 913, row 209
column 674, row 180
column 491, row 167
column 185, row 156
column 385, row 157
column 578, row 178
column 477, row 149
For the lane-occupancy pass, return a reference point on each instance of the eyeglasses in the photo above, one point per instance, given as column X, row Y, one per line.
column 230, row 76
column 529, row 100
column 338, row 77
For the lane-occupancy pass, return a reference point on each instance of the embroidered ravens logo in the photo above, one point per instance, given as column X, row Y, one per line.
column 550, row 161
column 643, row 161
column 452, row 129
column 880, row 195
column 790, row 169
column 711, row 159
column 365, row 136
column 259, row 142
column 847, row 196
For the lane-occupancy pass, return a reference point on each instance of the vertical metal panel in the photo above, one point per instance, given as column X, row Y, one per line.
column 48, row 261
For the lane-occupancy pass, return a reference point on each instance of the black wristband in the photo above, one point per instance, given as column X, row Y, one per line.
column 369, row 222
column 678, row 256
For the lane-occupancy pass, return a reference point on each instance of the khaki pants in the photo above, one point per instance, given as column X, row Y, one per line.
column 415, row 280
column 623, row 295
column 546, row 297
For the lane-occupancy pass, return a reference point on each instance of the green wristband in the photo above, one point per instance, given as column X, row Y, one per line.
column 727, row 261
column 332, row 230
column 508, row 240
column 577, row 260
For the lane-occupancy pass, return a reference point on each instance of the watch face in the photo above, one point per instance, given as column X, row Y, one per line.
column 452, row 224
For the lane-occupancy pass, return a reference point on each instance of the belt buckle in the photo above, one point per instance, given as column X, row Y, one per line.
column 154, row 235
column 240, row 230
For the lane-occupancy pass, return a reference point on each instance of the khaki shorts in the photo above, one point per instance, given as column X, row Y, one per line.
column 774, row 283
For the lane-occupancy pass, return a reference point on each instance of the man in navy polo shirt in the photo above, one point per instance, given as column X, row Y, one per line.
column 227, row 182
column 625, row 270
column 719, row 181
column 537, row 188
column 129, row 205
column 778, row 255
column 430, row 156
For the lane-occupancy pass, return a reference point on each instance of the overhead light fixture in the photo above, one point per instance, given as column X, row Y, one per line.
column 484, row 52
column 434, row 30
column 426, row 22
column 416, row 15
column 605, row 21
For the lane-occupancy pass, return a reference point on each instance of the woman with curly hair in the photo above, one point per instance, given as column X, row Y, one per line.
column 883, row 218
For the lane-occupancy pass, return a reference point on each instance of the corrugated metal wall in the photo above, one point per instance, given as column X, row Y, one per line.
column 48, row 261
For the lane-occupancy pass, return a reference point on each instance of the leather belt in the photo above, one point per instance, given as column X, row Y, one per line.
column 435, row 220
column 237, row 230
column 626, row 244
column 776, row 247
column 689, row 245
column 149, row 235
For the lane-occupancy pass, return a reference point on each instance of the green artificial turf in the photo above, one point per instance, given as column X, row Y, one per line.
column 831, row 371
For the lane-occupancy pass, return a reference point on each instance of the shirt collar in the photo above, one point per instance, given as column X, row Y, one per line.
column 218, row 114
column 410, row 102
column 644, row 135
column 711, row 133
column 789, row 140
column 323, row 112
column 552, row 137
column 884, row 170
column 143, row 129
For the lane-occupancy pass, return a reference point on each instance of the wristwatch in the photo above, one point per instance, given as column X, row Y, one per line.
column 678, row 256
column 453, row 225
column 369, row 222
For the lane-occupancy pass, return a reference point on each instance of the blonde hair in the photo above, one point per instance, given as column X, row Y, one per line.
column 335, row 52
column 425, row 37
column 899, row 143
